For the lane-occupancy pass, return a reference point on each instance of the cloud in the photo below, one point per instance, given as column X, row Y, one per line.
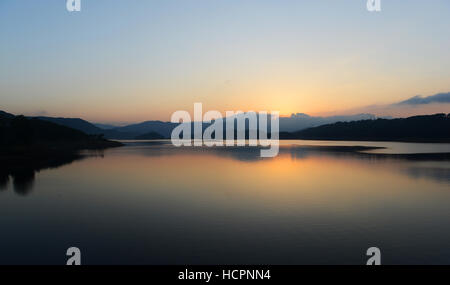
column 417, row 105
column 420, row 100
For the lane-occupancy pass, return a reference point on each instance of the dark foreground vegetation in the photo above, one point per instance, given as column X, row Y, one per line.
column 31, row 137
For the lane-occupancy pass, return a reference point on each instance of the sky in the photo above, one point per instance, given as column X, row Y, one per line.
column 131, row 60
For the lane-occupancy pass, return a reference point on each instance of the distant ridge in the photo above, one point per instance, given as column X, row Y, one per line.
column 300, row 121
column 89, row 128
column 74, row 123
column 428, row 128
column 295, row 122
column 104, row 126
column 162, row 128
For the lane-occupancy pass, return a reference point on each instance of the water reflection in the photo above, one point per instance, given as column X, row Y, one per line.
column 157, row 204
column 23, row 171
column 23, row 180
column 4, row 181
column 22, row 174
column 364, row 154
column 438, row 174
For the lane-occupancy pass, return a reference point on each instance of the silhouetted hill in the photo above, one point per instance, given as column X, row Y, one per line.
column 74, row 123
column 6, row 115
column 89, row 128
column 301, row 121
column 21, row 135
column 429, row 128
column 162, row 128
column 105, row 126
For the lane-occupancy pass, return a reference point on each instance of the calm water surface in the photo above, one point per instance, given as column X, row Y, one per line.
column 151, row 203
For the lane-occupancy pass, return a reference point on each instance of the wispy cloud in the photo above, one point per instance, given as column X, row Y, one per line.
column 420, row 100
column 417, row 105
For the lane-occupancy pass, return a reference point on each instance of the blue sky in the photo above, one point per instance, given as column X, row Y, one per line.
column 133, row 60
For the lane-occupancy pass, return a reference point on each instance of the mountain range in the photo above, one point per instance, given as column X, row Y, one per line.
column 428, row 128
column 152, row 129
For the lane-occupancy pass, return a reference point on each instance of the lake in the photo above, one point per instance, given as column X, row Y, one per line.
column 152, row 203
